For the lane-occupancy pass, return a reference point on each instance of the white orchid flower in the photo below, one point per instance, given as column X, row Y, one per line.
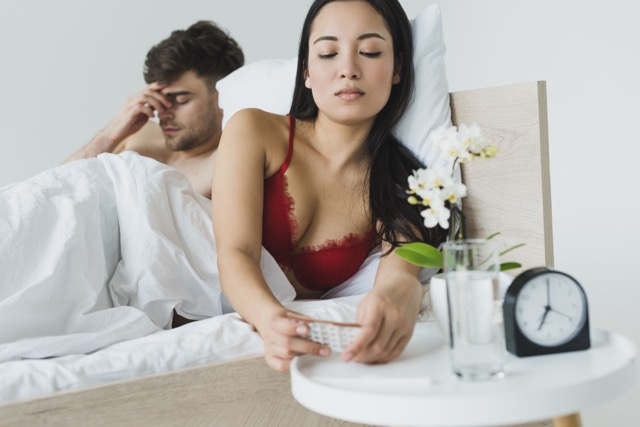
column 419, row 181
column 428, row 179
column 433, row 187
column 454, row 192
column 436, row 215
column 437, row 177
column 431, row 197
column 415, row 184
column 444, row 133
column 467, row 134
column 476, row 143
column 461, row 144
column 453, row 148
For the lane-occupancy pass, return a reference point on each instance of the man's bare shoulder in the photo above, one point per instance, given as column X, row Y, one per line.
column 148, row 141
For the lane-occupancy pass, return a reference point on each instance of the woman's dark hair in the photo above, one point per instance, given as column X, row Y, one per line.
column 390, row 162
column 203, row 48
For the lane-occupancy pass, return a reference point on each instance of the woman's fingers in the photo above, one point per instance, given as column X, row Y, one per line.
column 370, row 318
column 376, row 330
column 289, row 347
column 277, row 363
column 286, row 339
column 387, row 345
column 386, row 330
column 397, row 350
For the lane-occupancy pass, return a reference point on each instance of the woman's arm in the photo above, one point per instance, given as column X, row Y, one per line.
column 388, row 312
column 249, row 143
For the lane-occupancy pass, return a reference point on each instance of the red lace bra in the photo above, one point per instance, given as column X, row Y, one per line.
column 315, row 268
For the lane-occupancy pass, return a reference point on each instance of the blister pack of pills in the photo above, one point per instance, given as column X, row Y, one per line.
column 336, row 335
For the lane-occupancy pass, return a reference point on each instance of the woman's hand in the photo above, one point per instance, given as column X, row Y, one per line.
column 388, row 315
column 284, row 338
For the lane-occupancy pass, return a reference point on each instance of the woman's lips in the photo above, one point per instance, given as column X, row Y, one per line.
column 350, row 94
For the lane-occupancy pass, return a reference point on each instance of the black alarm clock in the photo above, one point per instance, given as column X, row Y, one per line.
column 545, row 312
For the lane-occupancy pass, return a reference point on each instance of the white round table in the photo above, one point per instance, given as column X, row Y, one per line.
column 418, row 389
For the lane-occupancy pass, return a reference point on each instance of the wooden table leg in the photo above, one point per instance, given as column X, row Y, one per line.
column 572, row 420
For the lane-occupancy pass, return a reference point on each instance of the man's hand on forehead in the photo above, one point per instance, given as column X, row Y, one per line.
column 154, row 98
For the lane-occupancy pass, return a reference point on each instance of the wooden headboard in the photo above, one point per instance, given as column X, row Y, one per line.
column 510, row 193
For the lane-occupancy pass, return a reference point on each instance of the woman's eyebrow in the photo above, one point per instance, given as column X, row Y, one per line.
column 361, row 37
column 323, row 38
column 370, row 35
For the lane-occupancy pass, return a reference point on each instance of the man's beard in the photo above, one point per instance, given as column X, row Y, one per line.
column 192, row 138
column 184, row 143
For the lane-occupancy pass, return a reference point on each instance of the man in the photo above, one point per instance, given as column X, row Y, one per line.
column 181, row 72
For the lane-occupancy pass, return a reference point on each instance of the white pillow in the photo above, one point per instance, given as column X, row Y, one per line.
column 268, row 85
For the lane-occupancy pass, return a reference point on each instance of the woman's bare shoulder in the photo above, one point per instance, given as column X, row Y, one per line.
column 260, row 132
column 256, row 120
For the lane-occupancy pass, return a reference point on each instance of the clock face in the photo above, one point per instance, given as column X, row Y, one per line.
column 551, row 309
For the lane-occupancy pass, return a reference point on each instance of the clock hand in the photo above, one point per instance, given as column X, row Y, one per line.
column 561, row 314
column 547, row 309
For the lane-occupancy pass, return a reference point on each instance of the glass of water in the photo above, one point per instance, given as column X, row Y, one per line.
column 475, row 309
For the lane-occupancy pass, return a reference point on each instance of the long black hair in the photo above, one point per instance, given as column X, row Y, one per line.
column 394, row 219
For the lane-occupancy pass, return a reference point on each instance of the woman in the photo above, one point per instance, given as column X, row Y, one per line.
column 320, row 187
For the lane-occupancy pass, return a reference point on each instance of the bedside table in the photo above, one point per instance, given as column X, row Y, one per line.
column 419, row 389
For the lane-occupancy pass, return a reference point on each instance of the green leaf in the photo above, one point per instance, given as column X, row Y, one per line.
column 420, row 254
column 509, row 266
column 491, row 236
column 512, row 248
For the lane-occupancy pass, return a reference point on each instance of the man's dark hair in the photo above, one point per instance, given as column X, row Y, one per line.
column 203, row 48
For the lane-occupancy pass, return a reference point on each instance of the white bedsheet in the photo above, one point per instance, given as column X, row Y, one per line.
column 101, row 251
column 95, row 255
column 215, row 340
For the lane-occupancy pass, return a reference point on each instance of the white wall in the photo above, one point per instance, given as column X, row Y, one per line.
column 588, row 53
column 66, row 66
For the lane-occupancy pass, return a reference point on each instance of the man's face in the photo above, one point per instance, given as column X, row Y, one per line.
column 194, row 118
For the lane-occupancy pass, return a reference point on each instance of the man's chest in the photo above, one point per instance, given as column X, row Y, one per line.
column 199, row 172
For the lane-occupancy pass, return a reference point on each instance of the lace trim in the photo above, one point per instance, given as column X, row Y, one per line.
column 289, row 205
column 348, row 241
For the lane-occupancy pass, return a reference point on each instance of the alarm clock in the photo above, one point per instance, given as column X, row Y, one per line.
column 545, row 312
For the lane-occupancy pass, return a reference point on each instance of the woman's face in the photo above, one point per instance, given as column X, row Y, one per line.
column 350, row 69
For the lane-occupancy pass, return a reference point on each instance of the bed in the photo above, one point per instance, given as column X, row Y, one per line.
column 211, row 372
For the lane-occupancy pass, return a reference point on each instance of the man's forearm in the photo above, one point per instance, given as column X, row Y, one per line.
column 101, row 143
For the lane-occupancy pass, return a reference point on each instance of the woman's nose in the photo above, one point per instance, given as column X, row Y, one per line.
column 350, row 67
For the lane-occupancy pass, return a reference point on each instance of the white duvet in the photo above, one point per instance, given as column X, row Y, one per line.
column 101, row 251
column 94, row 257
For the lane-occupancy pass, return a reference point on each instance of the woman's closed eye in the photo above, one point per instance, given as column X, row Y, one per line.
column 365, row 54
column 371, row 54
